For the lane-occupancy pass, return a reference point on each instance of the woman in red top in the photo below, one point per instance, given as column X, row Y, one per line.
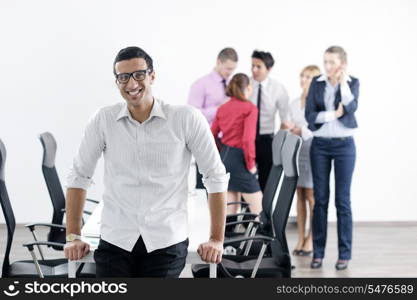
column 236, row 121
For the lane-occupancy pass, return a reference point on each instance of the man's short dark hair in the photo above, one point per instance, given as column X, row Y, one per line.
column 266, row 57
column 133, row 52
column 227, row 54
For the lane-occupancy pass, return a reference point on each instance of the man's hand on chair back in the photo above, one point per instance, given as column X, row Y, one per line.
column 76, row 249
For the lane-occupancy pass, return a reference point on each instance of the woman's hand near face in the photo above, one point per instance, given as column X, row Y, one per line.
column 341, row 74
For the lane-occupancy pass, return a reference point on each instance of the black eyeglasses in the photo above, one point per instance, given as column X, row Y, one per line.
column 137, row 75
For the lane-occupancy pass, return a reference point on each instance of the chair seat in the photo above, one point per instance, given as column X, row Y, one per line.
column 50, row 268
column 243, row 265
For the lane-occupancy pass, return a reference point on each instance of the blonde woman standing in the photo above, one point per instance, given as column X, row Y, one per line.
column 332, row 101
column 305, row 193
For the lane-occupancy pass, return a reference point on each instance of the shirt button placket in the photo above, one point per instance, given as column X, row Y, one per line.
column 138, row 169
column 140, row 172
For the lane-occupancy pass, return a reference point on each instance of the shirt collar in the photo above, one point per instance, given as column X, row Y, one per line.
column 324, row 78
column 156, row 111
column 124, row 112
column 217, row 77
column 264, row 83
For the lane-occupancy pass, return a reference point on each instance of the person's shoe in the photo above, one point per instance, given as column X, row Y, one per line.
column 342, row 264
column 297, row 252
column 316, row 263
column 305, row 253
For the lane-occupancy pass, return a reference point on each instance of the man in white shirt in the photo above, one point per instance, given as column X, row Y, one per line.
column 147, row 147
column 271, row 98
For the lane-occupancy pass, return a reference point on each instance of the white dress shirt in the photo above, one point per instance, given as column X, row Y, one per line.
column 274, row 99
column 297, row 117
column 332, row 127
column 146, row 168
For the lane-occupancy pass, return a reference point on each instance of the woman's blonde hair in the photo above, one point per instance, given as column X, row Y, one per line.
column 315, row 70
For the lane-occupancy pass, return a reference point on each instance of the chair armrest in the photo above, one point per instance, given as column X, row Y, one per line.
column 243, row 214
column 245, row 204
column 42, row 243
column 32, row 226
column 263, row 238
column 92, row 201
column 243, row 222
column 84, row 211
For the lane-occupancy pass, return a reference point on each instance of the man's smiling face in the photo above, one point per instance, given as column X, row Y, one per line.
column 135, row 91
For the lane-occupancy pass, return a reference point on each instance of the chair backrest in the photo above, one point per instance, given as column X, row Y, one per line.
column 289, row 155
column 7, row 211
column 52, row 182
column 274, row 180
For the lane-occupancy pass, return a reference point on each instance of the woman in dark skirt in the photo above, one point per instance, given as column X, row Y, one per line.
column 236, row 121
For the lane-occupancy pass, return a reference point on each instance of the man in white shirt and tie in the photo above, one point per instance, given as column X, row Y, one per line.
column 147, row 147
column 271, row 97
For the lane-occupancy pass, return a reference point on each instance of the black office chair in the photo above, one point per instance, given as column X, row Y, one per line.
column 54, row 188
column 279, row 263
column 263, row 227
column 34, row 267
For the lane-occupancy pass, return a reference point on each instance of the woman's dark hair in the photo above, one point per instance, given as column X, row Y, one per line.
column 266, row 57
column 237, row 85
column 133, row 52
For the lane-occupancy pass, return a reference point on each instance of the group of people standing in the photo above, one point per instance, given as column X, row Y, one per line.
column 243, row 113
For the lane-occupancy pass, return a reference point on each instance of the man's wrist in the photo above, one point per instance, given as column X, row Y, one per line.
column 213, row 239
column 73, row 237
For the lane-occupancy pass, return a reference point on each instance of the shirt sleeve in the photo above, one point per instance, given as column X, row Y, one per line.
column 249, row 135
column 306, row 133
column 352, row 106
column 346, row 94
column 325, row 116
column 197, row 98
column 347, row 98
column 200, row 142
column 89, row 151
column 283, row 103
column 215, row 128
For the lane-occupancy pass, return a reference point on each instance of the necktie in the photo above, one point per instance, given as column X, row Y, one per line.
column 224, row 84
column 259, row 110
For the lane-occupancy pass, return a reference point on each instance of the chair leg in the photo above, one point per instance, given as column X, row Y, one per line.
column 258, row 261
column 247, row 232
column 39, row 247
column 35, row 260
column 79, row 269
column 249, row 245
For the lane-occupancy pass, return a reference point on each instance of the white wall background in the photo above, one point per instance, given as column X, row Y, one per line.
column 56, row 70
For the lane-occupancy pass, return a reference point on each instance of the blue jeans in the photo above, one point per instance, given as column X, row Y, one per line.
column 343, row 152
